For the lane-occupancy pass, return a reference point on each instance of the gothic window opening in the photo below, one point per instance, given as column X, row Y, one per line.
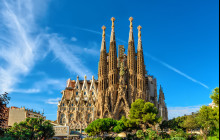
column 62, row 119
column 84, row 93
column 76, row 93
column 71, row 117
column 88, row 117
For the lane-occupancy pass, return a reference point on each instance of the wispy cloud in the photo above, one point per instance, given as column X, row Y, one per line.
column 23, row 43
column 64, row 53
column 174, row 112
column 17, row 46
column 53, row 101
column 27, row 91
column 176, row 70
column 50, row 85
column 100, row 33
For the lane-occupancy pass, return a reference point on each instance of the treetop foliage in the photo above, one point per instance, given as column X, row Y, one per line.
column 32, row 129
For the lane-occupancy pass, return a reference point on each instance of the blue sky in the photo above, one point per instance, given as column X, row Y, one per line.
column 45, row 42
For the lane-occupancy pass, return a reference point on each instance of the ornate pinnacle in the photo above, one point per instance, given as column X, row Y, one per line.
column 131, row 19
column 139, row 31
column 103, row 38
column 103, row 33
column 112, row 38
column 113, row 19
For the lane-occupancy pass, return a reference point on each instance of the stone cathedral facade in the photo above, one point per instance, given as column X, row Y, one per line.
column 121, row 80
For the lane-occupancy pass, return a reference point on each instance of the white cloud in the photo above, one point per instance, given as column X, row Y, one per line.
column 28, row 91
column 64, row 52
column 50, row 84
column 53, row 101
column 174, row 112
column 17, row 46
column 73, row 39
column 23, row 43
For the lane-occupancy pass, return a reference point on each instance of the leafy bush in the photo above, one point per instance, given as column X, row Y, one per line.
column 118, row 138
column 152, row 134
column 173, row 134
column 178, row 138
column 140, row 134
column 213, row 138
column 180, row 133
column 164, row 135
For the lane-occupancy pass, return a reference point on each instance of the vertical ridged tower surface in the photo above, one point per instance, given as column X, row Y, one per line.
column 112, row 69
column 131, row 64
column 102, row 75
column 141, row 90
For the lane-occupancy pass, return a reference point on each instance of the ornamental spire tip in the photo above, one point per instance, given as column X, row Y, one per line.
column 131, row 19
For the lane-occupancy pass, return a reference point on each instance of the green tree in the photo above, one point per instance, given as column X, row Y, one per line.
column 215, row 96
column 140, row 134
column 144, row 113
column 164, row 125
column 4, row 100
column 101, row 126
column 31, row 128
column 190, row 122
column 125, row 125
column 206, row 119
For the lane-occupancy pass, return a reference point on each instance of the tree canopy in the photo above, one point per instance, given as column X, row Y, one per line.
column 144, row 113
column 4, row 100
column 31, row 128
column 100, row 126
column 215, row 96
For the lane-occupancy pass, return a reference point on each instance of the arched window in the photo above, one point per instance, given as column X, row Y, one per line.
column 88, row 117
column 84, row 93
column 71, row 117
column 76, row 93
column 92, row 93
column 62, row 119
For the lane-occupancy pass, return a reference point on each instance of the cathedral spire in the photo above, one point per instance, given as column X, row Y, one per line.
column 131, row 37
column 113, row 30
column 103, row 47
column 139, row 38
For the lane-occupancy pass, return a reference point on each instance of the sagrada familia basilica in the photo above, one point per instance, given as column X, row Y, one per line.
column 121, row 80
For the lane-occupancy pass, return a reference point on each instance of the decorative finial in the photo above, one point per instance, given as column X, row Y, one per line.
column 131, row 19
column 113, row 19
column 103, row 33
column 112, row 37
column 85, row 76
column 139, row 31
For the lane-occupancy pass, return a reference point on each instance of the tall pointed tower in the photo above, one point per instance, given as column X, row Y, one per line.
column 162, row 105
column 131, row 65
column 112, row 68
column 102, row 76
column 140, row 69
